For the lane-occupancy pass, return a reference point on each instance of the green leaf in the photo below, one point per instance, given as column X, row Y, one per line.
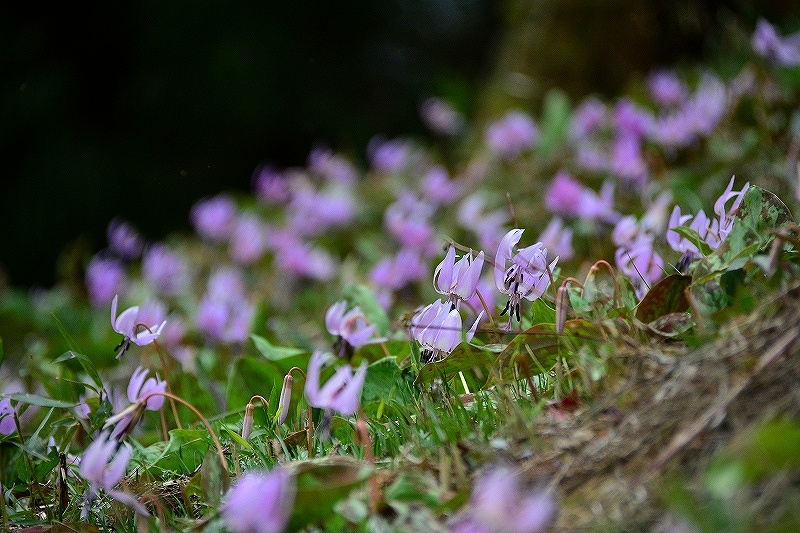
column 375, row 352
column 665, row 297
column 275, row 353
column 2, row 352
column 554, row 123
column 693, row 237
column 184, row 451
column 364, row 298
column 85, row 362
column 34, row 399
column 252, row 376
column 382, row 377
column 321, row 483
column 475, row 362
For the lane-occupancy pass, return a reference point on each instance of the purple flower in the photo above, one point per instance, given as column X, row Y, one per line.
column 213, row 217
column 124, row 240
column 271, row 186
column 408, row 219
column 726, row 217
column 458, row 279
column 103, row 464
column 440, row 117
column 631, row 120
column 396, row 272
column 259, row 502
column 627, row 160
column 558, row 239
column 489, row 227
column 352, row 326
column 248, row 239
column 312, row 212
column 707, row 105
column 640, row 262
column 224, row 313
column 437, row 327
column 7, row 424
column 82, row 410
column 332, row 166
column 666, row 89
column 341, row 393
column 302, row 259
column 165, row 269
column 592, row 157
column 389, row 157
column 566, row 196
column 104, row 278
column 132, row 327
column 499, row 504
column 527, row 275
column 511, row 135
column 783, row 51
column 439, row 188
column 140, row 386
column 587, row 119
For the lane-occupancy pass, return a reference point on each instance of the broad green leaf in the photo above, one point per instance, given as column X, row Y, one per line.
column 272, row 352
column 375, row 351
column 250, row 376
column 665, row 297
column 364, row 298
column 185, row 450
column 194, row 388
column 321, row 483
column 475, row 362
column 34, row 399
column 383, row 377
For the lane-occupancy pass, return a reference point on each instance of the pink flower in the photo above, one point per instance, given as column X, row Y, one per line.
column 259, row 502
column 511, row 135
column 131, row 326
column 459, row 279
column 7, row 424
column 124, row 240
column 352, row 326
column 213, row 218
column 566, row 196
column 783, row 51
column 527, row 275
column 499, row 504
column 558, row 238
column 103, row 464
column 139, row 387
column 341, row 393
column 437, row 327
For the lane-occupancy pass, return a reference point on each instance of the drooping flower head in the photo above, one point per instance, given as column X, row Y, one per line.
column 103, row 464
column 437, row 327
column 527, row 274
column 260, row 502
column 458, row 279
column 351, row 328
column 341, row 393
column 132, row 327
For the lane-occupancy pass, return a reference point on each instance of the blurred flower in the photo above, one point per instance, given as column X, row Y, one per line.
column 389, row 156
column 527, row 276
column 511, row 135
column 341, row 393
column 627, row 160
column 271, row 185
column 666, row 88
column 396, row 272
column 486, row 288
column 248, row 239
column 225, row 313
column 592, row 157
column 259, row 502
column 332, row 166
column 213, row 217
column 124, row 240
column 499, row 504
column 103, row 464
column 631, row 120
column 104, row 278
column 726, row 217
column 439, row 188
column 459, row 279
column 566, row 196
column 133, row 327
column 587, row 119
column 489, row 227
column 165, row 269
column 82, row 410
column 353, row 326
column 440, row 117
column 302, row 259
column 408, row 220
column 312, row 211
column 783, row 51
column 640, row 262
column 7, row 424
column 558, row 239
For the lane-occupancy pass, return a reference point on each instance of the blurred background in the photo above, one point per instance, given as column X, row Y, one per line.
column 139, row 109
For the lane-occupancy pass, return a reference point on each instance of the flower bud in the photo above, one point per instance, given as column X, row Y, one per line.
column 561, row 309
column 286, row 398
column 247, row 424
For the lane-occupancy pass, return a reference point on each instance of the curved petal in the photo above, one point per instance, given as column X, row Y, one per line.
column 348, row 399
column 333, row 317
column 114, row 303
column 360, row 336
column 332, row 387
column 443, row 275
column 449, row 334
column 126, row 321
column 129, row 500
column 136, row 382
column 116, row 468
column 469, row 279
column 504, row 254
column 312, row 379
column 474, row 328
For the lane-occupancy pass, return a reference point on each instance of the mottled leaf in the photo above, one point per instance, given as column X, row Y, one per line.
column 474, row 361
column 665, row 297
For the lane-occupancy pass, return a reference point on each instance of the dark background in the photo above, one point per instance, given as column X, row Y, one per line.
column 138, row 109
